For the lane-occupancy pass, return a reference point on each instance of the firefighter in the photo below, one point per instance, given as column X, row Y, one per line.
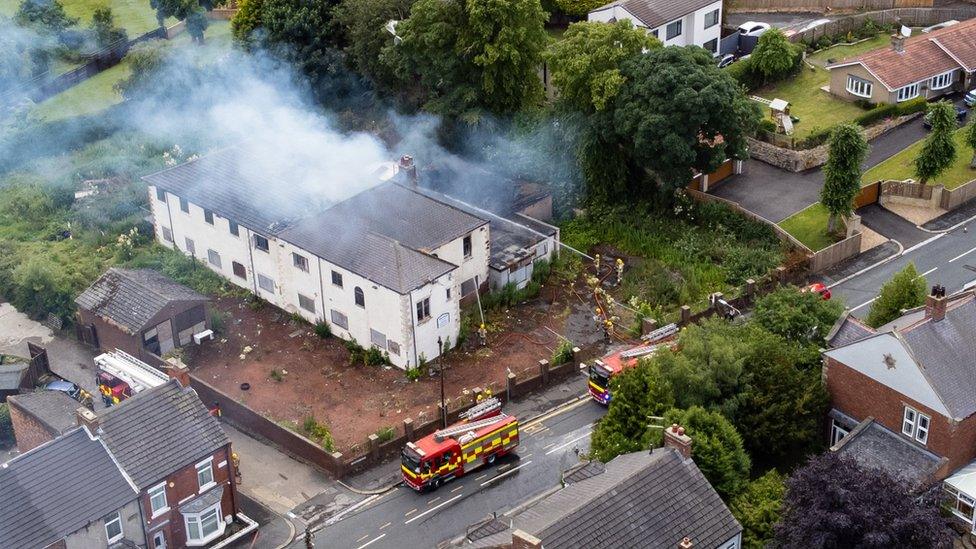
column 596, row 261
column 607, row 328
column 308, row 539
column 483, row 334
column 236, row 460
column 620, row 271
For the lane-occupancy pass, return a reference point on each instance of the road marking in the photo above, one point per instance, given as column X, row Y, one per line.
column 372, row 541
column 461, row 487
column 410, row 512
column 561, row 446
column 362, row 538
column 926, row 273
column 385, row 525
column 433, row 500
column 526, row 456
column 539, row 432
column 868, row 302
column 481, row 477
column 431, row 510
column 962, row 255
column 556, row 412
column 503, row 467
column 505, row 474
column 550, row 445
column 923, row 243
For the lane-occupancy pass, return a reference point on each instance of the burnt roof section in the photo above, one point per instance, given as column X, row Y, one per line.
column 59, row 488
column 643, row 499
column 160, row 431
column 130, row 298
column 875, row 447
column 477, row 186
column 53, row 409
column 654, row 13
column 404, row 214
column 374, row 257
column 221, row 182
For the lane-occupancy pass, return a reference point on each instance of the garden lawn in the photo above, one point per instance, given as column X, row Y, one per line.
column 900, row 165
column 809, row 226
column 816, row 108
column 135, row 16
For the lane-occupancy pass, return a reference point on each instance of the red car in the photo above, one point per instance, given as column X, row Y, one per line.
column 819, row 288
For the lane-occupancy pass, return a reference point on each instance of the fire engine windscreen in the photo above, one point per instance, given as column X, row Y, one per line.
column 410, row 460
column 599, row 376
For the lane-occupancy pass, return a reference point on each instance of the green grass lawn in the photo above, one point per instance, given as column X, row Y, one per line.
column 135, row 16
column 809, row 226
column 816, row 108
column 900, row 165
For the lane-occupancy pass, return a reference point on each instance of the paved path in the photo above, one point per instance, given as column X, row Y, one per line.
column 950, row 219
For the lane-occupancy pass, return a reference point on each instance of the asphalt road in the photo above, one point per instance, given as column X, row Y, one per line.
column 403, row 518
column 948, row 259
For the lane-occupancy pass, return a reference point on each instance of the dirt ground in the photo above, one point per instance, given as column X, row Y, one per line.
column 355, row 401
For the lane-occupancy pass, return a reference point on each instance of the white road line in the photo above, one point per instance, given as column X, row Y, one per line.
column 561, row 446
column 372, row 541
column 461, row 487
column 432, row 509
column 868, row 302
column 505, row 474
column 962, row 255
column 923, row 243
column 928, row 272
column 481, row 477
column 362, row 538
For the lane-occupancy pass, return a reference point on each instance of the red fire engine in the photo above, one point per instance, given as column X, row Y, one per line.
column 119, row 375
column 602, row 370
column 484, row 434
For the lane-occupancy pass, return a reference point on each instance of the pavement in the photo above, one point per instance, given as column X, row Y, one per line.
column 949, row 220
column 860, row 262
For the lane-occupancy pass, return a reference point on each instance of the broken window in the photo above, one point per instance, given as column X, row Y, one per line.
column 266, row 283
column 261, row 243
column 337, row 279
column 467, row 287
column 340, row 319
column 360, row 298
column 306, row 303
column 466, row 245
column 234, row 229
column 208, row 216
column 423, row 309
column 239, row 270
column 300, row 261
column 393, row 347
column 184, row 205
column 214, row 258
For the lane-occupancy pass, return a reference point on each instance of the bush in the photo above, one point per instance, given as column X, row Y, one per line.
column 276, row 375
column 745, row 74
column 767, row 125
column 563, row 353
column 323, row 330
column 816, row 138
column 6, row 426
column 318, row 432
column 757, row 509
column 385, row 434
column 217, row 321
column 414, row 374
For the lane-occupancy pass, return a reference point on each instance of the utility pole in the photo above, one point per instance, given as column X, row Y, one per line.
column 440, row 364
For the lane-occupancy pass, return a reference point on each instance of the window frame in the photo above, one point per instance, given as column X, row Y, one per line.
column 198, row 520
column 190, row 245
column 957, row 497
column 337, row 276
column 234, row 228
column 909, row 431
column 116, row 519
column 467, row 247
column 855, row 85
column 359, row 297
column 257, row 243
column 714, row 48
column 184, row 205
column 423, row 310
column 302, row 297
column 947, row 76
column 922, row 433
column 206, row 465
column 835, row 429
column 904, row 91
column 154, row 512
column 716, row 13
column 264, row 278
column 299, row 261
column 243, row 270
column 339, row 319
column 208, row 216
column 912, row 428
column 679, row 24
column 211, row 254
column 167, row 234
column 160, row 194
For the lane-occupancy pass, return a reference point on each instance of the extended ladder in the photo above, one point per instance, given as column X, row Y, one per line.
column 439, row 436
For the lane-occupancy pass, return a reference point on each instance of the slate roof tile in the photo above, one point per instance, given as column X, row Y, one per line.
column 130, row 298
column 654, row 13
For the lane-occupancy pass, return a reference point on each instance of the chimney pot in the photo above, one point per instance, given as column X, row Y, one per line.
column 676, row 438
column 935, row 303
column 409, row 168
column 686, row 543
column 86, row 418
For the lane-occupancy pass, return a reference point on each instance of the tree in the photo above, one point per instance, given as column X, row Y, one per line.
column 757, row 509
column 716, row 448
column 842, row 172
column 246, row 21
column 104, row 29
column 638, row 393
column 939, row 150
column 831, row 502
column 145, row 60
column 678, row 112
column 774, row 56
column 905, row 290
column 797, row 316
column 971, row 140
column 46, row 16
column 470, row 56
column 190, row 11
column 585, row 64
column 579, row 8
column 364, row 24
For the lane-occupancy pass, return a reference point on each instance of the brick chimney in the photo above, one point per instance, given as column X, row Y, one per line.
column 409, row 168
column 675, row 437
column 86, row 418
column 525, row 540
column 175, row 369
column 898, row 43
column 686, row 543
column 935, row 303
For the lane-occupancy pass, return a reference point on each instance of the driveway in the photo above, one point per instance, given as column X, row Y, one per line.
column 891, row 225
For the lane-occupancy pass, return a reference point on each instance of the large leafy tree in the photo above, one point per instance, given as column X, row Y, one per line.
column 716, row 448
column 678, row 112
column 842, row 172
column 585, row 63
column 472, row 56
column 193, row 12
column 831, row 502
column 797, row 316
column 757, row 509
column 638, row 394
column 45, row 16
column 579, row 8
column 774, row 56
column 364, row 23
column 905, row 290
column 971, row 140
column 104, row 29
column 939, row 150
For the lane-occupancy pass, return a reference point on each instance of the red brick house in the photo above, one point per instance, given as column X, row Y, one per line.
column 904, row 395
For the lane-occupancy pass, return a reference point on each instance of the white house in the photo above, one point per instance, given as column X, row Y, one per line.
column 673, row 22
column 386, row 267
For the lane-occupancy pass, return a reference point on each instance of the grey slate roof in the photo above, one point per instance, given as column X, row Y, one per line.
column 875, row 447
column 58, row 488
column 848, row 329
column 643, row 499
column 159, row 431
column 375, row 257
column 654, row 13
column 54, row 409
column 130, row 298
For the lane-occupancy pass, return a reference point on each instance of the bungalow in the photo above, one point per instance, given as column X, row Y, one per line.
column 674, row 23
column 928, row 65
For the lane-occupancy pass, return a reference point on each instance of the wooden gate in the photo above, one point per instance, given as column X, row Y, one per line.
column 868, row 195
column 39, row 365
column 86, row 334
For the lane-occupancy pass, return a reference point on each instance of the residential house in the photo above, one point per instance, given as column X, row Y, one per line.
column 69, row 493
column 142, row 312
column 643, row 499
column 675, row 23
column 902, row 395
column 928, row 65
column 40, row 417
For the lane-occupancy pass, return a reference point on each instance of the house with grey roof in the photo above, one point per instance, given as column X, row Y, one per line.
column 141, row 312
column 904, row 396
column 41, row 416
column 674, row 23
column 69, row 493
column 656, row 498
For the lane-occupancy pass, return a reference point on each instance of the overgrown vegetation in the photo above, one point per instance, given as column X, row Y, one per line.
column 563, row 353
column 6, row 426
column 385, row 434
column 318, row 432
column 367, row 357
column 757, row 508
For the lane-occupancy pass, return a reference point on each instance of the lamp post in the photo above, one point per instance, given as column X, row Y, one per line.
column 440, row 365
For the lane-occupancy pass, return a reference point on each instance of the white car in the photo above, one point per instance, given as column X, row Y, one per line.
column 939, row 26
column 753, row 28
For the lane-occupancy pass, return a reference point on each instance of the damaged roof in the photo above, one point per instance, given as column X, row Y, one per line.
column 130, row 298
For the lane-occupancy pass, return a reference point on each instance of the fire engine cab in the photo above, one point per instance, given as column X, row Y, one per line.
column 482, row 436
column 120, row 375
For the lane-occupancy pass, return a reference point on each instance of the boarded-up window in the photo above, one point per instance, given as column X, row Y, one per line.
column 467, row 287
column 340, row 319
column 393, row 347
column 214, row 258
column 377, row 338
column 306, row 303
column 265, row 283
column 239, row 270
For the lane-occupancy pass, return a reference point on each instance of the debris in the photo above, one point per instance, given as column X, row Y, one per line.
column 295, row 334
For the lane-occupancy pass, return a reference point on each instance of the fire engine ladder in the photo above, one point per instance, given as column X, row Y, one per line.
column 487, row 406
column 131, row 370
column 643, row 350
column 465, row 427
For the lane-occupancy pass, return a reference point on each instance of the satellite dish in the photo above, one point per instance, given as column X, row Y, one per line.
column 905, row 31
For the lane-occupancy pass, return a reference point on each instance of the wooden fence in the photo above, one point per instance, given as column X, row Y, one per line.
column 822, row 5
column 912, row 17
column 928, row 195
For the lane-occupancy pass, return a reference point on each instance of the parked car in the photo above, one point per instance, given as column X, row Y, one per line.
column 726, row 60
column 960, row 117
column 65, row 387
column 970, row 98
column 813, row 24
column 753, row 28
column 939, row 26
column 818, row 288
